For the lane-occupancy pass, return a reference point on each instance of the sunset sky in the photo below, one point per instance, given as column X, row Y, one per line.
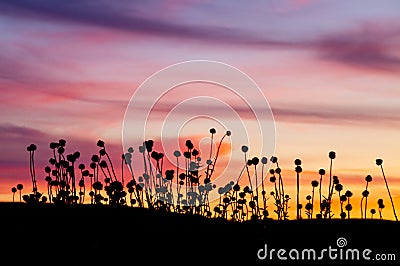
column 330, row 71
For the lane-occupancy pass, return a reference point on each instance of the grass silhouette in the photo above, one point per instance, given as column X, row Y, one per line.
column 185, row 190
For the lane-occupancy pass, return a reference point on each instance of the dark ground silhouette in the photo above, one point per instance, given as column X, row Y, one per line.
column 120, row 235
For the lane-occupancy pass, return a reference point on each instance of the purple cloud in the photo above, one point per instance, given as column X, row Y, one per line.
column 16, row 138
column 369, row 46
column 116, row 17
column 298, row 114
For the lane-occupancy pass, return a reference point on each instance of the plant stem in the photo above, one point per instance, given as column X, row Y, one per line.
column 298, row 192
column 391, row 200
column 320, row 195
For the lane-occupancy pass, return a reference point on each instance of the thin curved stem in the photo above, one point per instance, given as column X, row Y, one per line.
column 390, row 196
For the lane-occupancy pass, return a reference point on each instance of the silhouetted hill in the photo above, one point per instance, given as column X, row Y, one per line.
column 115, row 235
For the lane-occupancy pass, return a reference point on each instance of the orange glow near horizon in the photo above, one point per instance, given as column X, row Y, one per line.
column 351, row 180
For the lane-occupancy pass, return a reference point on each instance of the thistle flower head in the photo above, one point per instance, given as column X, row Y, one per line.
column 127, row 157
column 298, row 169
column 47, row 169
column 61, row 150
column 349, row 193
column 71, row 158
column 54, row 145
column 100, row 143
column 255, row 160
column 62, row 142
column 102, row 152
column 182, row 176
column 149, row 145
column 335, row 180
column 339, row 187
column 76, row 155
column 264, row 160
column 103, row 164
column 343, row 198
column 195, row 152
column 169, row 174
column 189, row 144
column 31, row 147
column 332, row 155
column 142, row 149
column 274, row 159
column 380, row 204
column 379, row 161
column 271, row 171
column 155, row 155
column 314, row 183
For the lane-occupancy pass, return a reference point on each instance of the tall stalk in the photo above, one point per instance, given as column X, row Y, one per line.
column 379, row 163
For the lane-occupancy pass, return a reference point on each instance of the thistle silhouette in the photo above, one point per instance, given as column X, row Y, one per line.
column 348, row 207
column 314, row 184
column 332, row 156
column 321, row 173
column 381, row 206
column 19, row 188
column 13, row 190
column 365, row 194
column 298, row 170
column 339, row 188
column 373, row 211
column 379, row 162
column 31, row 149
column 70, row 181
